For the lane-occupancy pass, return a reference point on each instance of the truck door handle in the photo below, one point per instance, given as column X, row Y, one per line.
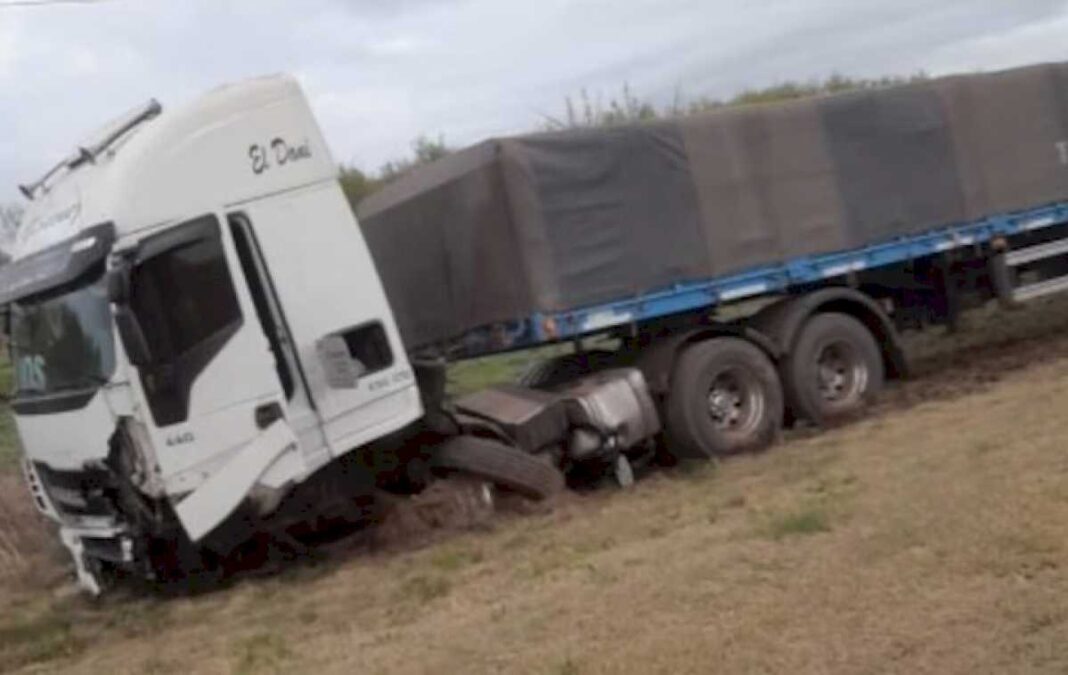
column 267, row 414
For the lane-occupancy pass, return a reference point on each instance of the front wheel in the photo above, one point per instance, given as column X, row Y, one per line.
column 504, row 465
column 725, row 398
column 834, row 370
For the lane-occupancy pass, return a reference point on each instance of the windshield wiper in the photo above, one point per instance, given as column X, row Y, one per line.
column 87, row 382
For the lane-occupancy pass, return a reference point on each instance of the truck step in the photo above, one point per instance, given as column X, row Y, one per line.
column 1039, row 289
column 1030, row 254
column 1007, row 277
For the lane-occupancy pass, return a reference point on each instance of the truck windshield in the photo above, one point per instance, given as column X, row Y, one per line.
column 62, row 342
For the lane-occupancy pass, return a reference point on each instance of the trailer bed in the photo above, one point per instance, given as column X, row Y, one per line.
column 539, row 329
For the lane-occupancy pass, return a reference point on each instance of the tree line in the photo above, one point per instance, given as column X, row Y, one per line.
column 626, row 107
column 10, row 218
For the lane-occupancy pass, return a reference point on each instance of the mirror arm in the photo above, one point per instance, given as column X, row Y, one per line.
column 133, row 336
column 119, row 281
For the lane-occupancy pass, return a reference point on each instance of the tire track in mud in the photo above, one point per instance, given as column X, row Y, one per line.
column 974, row 368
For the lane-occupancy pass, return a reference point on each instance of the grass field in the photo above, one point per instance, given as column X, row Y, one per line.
column 930, row 537
column 8, row 442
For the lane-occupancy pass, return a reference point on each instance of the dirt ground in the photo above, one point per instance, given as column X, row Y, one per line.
column 930, row 537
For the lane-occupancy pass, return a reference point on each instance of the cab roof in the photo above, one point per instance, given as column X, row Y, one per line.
column 234, row 144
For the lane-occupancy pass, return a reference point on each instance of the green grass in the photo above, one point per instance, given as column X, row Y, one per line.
column 453, row 559
column 9, row 453
column 474, row 374
column 263, row 652
column 424, row 588
column 44, row 638
column 803, row 522
column 8, row 441
column 6, row 376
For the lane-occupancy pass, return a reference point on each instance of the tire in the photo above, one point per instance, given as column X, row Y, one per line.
column 562, row 369
column 834, row 370
column 501, row 464
column 725, row 398
column 180, row 565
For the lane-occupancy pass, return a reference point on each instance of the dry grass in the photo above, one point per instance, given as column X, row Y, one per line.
column 26, row 540
column 931, row 538
column 928, row 540
column 31, row 563
column 28, row 550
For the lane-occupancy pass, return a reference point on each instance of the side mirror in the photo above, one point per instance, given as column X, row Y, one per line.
column 130, row 331
column 133, row 337
column 5, row 321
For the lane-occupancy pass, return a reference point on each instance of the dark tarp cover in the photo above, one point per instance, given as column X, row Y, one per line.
column 556, row 221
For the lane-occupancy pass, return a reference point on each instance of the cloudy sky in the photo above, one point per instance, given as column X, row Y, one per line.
column 381, row 72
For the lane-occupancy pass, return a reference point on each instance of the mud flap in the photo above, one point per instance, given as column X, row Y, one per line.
column 220, row 495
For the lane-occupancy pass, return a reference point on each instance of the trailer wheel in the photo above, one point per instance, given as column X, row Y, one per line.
column 565, row 368
column 498, row 463
column 834, row 370
column 725, row 398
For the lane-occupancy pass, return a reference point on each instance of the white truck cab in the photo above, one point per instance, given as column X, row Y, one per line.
column 196, row 323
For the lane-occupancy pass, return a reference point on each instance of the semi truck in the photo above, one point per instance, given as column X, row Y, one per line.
column 208, row 345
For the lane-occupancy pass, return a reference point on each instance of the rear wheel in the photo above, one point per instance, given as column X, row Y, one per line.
column 725, row 398
column 834, row 370
column 501, row 464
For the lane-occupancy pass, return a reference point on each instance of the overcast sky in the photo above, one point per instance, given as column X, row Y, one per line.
column 381, row 72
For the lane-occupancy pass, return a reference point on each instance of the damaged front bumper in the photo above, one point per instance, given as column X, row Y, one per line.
column 90, row 527
column 105, row 526
column 90, row 547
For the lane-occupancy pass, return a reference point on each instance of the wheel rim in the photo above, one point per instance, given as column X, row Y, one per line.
column 735, row 401
column 841, row 372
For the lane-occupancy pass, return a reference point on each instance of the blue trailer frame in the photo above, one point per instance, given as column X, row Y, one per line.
column 541, row 329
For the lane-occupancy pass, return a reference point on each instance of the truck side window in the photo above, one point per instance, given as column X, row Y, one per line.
column 369, row 346
column 184, row 299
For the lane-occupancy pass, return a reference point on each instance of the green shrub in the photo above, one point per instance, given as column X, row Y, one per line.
column 803, row 522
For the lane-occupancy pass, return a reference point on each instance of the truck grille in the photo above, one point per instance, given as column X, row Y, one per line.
column 77, row 493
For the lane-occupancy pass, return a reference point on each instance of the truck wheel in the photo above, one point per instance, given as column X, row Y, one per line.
column 565, row 368
column 181, row 565
column 834, row 370
column 498, row 463
column 725, row 398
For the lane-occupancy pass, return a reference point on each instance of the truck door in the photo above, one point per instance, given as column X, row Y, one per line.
column 210, row 380
column 301, row 412
column 328, row 289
